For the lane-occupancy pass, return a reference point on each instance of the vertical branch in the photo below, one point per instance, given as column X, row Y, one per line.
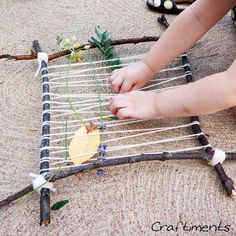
column 45, row 142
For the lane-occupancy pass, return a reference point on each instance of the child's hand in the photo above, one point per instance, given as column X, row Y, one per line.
column 136, row 104
column 131, row 77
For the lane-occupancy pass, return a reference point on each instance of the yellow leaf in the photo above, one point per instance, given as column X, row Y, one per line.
column 84, row 144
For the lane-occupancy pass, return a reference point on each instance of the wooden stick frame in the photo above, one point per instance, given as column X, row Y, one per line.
column 45, row 193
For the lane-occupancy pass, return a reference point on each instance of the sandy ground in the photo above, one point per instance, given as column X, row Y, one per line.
column 131, row 197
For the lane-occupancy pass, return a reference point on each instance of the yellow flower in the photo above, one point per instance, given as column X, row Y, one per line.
column 76, row 57
column 73, row 39
column 77, row 45
column 67, row 41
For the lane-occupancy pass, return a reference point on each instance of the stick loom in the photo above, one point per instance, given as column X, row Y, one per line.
column 55, row 105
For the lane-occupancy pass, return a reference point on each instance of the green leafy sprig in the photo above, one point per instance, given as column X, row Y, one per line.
column 103, row 43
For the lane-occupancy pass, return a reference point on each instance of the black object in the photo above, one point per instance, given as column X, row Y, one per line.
column 166, row 6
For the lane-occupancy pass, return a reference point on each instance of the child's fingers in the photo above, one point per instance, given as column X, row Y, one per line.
column 124, row 113
column 116, row 105
column 117, row 83
column 113, row 76
column 126, row 87
column 114, row 73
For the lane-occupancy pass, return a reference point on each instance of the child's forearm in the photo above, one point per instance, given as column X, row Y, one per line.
column 208, row 95
column 184, row 32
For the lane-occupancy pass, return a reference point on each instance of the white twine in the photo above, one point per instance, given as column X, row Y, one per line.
column 40, row 182
column 218, row 157
column 74, row 72
column 164, row 82
column 143, row 144
column 141, row 131
column 42, row 56
column 79, row 72
column 122, row 58
column 80, row 76
column 108, row 124
column 133, row 57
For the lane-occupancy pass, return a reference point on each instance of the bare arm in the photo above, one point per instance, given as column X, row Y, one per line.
column 213, row 93
column 186, row 30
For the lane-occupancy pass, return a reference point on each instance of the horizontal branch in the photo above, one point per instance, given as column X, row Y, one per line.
column 114, row 162
column 63, row 53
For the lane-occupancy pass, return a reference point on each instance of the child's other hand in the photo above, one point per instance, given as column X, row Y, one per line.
column 136, row 105
column 131, row 77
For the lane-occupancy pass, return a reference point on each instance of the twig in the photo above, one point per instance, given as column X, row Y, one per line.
column 113, row 162
column 16, row 196
column 62, row 53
